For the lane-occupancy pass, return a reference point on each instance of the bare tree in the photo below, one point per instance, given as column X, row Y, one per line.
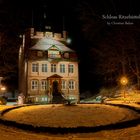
column 114, row 49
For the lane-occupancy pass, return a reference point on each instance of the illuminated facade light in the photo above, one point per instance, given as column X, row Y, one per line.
column 3, row 88
column 69, row 40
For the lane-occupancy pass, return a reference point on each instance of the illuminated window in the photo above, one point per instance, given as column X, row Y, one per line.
column 34, row 84
column 53, row 67
column 63, row 84
column 43, row 84
column 62, row 68
column 53, row 52
column 71, row 84
column 71, row 68
column 44, row 67
column 35, row 67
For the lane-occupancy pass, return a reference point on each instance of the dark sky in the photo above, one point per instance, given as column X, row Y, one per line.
column 57, row 9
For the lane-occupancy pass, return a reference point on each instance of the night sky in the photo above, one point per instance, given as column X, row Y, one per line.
column 69, row 14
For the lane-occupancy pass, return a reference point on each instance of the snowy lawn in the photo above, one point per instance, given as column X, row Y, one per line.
column 70, row 116
column 3, row 107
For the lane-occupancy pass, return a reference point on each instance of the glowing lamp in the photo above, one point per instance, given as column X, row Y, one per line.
column 68, row 40
column 124, row 80
column 3, row 88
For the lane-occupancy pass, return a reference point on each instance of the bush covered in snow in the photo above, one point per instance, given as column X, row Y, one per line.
column 110, row 92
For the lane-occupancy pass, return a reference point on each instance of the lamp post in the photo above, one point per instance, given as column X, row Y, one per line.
column 124, row 82
column 3, row 89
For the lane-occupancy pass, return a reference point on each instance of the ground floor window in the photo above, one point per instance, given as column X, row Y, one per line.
column 63, row 84
column 71, row 84
column 34, row 84
column 43, row 84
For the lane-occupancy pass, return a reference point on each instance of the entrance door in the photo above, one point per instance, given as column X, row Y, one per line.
column 55, row 89
column 57, row 97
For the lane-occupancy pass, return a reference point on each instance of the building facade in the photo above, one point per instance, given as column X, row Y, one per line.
column 47, row 67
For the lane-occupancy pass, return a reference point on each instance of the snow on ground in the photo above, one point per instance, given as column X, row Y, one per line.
column 70, row 116
column 9, row 133
column 2, row 107
column 96, row 112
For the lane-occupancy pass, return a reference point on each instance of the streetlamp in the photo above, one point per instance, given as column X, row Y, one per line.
column 3, row 89
column 3, row 99
column 124, row 82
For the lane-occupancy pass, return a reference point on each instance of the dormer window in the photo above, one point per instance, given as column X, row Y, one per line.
column 40, row 53
column 53, row 52
column 66, row 55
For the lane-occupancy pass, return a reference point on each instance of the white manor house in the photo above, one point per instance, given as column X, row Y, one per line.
column 48, row 69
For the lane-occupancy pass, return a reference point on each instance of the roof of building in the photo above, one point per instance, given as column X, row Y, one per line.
column 46, row 43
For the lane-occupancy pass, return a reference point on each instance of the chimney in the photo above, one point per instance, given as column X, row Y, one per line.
column 65, row 35
column 32, row 32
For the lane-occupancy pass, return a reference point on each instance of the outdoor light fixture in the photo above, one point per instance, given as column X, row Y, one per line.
column 3, row 88
column 68, row 40
column 124, row 82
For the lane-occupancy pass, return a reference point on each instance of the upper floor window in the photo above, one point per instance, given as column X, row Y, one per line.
column 34, row 84
column 62, row 68
column 53, row 54
column 66, row 55
column 39, row 53
column 71, row 68
column 35, row 67
column 53, row 67
column 43, row 84
column 71, row 84
column 63, row 84
column 44, row 67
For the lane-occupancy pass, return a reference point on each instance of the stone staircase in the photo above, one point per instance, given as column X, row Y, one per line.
column 58, row 99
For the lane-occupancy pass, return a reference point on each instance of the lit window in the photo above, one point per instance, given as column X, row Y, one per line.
column 43, row 84
column 71, row 68
column 34, row 84
column 62, row 68
column 53, row 54
column 53, row 67
column 44, row 67
column 71, row 84
column 35, row 67
column 63, row 84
